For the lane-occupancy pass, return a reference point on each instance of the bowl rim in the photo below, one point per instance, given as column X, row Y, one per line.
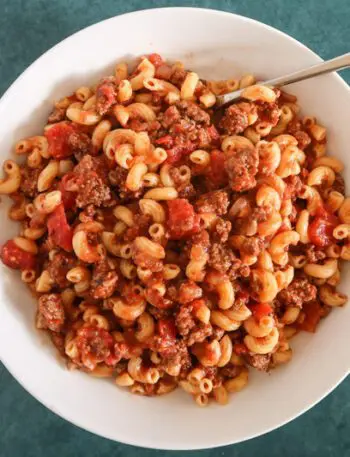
column 11, row 367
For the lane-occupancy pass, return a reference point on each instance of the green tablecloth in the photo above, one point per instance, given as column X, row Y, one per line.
column 27, row 29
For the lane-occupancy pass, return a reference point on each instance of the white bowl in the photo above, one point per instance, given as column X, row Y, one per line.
column 216, row 45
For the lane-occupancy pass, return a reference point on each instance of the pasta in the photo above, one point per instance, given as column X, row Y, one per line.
column 170, row 249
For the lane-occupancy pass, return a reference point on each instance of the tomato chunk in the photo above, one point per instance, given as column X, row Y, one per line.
column 59, row 230
column 183, row 221
column 156, row 59
column 167, row 329
column 58, row 140
column 217, row 173
column 313, row 313
column 167, row 141
column 16, row 258
column 321, row 228
column 260, row 310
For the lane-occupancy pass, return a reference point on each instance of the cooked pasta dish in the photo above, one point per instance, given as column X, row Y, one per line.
column 170, row 247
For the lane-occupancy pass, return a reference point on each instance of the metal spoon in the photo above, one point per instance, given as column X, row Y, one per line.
column 338, row 63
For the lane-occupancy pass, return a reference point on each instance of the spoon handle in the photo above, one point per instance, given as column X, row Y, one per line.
column 328, row 66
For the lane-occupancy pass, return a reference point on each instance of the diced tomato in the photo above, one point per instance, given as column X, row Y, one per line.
column 167, row 328
column 68, row 197
column 260, row 310
column 321, row 227
column 240, row 348
column 58, row 140
column 156, row 59
column 59, row 230
column 313, row 313
column 183, row 221
column 15, row 257
column 166, row 141
column 217, row 173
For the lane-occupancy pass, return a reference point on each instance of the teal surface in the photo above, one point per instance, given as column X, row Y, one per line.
column 30, row 27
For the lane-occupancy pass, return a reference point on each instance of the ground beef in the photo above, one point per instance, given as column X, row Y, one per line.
column 339, row 184
column 172, row 293
column 188, row 292
column 184, row 320
column 268, row 112
column 57, row 115
column 298, row 292
column 221, row 230
column 104, row 280
column 170, row 116
column 314, row 254
column 97, row 165
column 201, row 238
column 252, row 246
column 204, row 138
column 210, row 372
column 303, row 139
column 199, row 334
column 80, row 144
column 88, row 214
column 213, row 202
column 293, row 187
column 295, row 128
column 92, row 175
column 178, row 77
column 93, row 191
column 235, row 270
column 141, row 225
column 218, row 333
column 230, row 371
column 234, row 121
column 158, row 313
column 95, row 345
column 241, row 165
column 221, row 257
column 51, row 312
column 117, row 179
column 193, row 111
column 138, row 126
column 259, row 361
column 106, row 96
column 180, row 357
column 29, row 181
column 186, row 191
column 59, row 266
column 121, row 351
column 260, row 214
